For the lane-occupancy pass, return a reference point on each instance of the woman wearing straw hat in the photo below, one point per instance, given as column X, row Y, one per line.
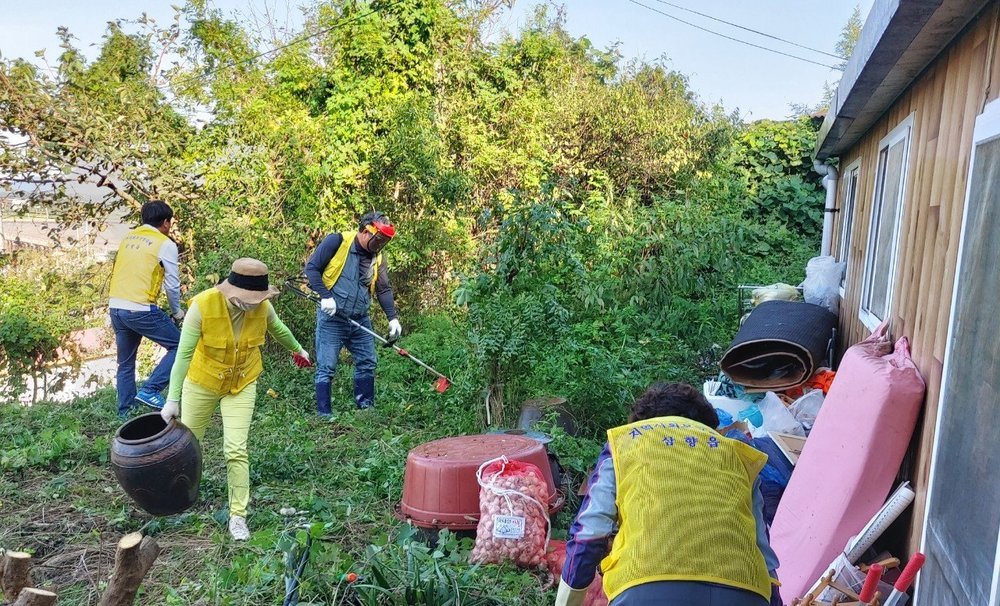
column 218, row 362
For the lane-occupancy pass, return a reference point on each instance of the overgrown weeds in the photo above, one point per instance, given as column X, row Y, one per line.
column 341, row 479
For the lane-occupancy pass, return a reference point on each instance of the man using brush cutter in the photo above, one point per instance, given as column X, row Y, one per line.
column 346, row 270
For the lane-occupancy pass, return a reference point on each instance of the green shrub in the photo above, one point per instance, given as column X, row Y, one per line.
column 776, row 161
column 593, row 301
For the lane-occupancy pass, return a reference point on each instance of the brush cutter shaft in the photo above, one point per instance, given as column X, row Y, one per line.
column 407, row 354
column 357, row 324
column 386, row 342
column 291, row 284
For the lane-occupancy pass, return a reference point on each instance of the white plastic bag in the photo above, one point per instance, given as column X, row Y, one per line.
column 730, row 405
column 822, row 283
column 806, row 409
column 776, row 418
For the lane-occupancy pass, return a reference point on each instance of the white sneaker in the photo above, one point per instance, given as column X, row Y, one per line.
column 238, row 528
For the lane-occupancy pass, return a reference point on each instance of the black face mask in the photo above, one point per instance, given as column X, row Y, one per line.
column 380, row 235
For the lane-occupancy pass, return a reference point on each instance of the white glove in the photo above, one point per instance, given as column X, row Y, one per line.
column 179, row 315
column 170, row 410
column 395, row 329
column 329, row 306
column 567, row 596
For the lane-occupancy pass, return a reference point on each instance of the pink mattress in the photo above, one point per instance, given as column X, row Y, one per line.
column 849, row 462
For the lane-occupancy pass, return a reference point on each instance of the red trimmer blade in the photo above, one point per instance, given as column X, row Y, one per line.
column 442, row 384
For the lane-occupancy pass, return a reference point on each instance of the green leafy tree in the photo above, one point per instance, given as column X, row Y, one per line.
column 107, row 124
column 596, row 209
column 43, row 297
column 776, row 161
column 849, row 36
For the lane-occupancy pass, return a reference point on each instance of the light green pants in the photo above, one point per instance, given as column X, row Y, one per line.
column 197, row 406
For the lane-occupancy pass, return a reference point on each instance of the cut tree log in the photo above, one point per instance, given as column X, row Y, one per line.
column 35, row 597
column 15, row 573
column 133, row 560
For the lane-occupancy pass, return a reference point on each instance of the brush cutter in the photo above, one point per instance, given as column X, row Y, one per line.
column 440, row 385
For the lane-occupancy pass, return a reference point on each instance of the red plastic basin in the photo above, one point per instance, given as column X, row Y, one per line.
column 440, row 488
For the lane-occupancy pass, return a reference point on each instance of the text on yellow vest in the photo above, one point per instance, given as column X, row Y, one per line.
column 685, row 509
column 336, row 265
column 138, row 275
column 220, row 362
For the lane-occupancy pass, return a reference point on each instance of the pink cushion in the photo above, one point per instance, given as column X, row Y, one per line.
column 849, row 462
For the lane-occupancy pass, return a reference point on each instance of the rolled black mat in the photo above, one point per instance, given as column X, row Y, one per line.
column 779, row 345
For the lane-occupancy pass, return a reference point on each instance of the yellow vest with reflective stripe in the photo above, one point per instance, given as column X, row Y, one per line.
column 138, row 275
column 684, row 508
column 336, row 265
column 221, row 363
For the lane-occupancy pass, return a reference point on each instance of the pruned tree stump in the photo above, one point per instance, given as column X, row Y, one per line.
column 134, row 558
column 30, row 596
column 15, row 573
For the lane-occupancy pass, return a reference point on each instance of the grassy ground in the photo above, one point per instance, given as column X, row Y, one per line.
column 60, row 501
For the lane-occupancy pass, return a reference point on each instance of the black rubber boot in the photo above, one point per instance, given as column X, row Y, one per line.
column 323, row 399
column 364, row 392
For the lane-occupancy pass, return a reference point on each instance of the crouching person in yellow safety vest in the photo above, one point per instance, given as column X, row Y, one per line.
column 687, row 508
column 218, row 362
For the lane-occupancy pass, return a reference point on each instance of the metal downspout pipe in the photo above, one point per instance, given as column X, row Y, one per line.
column 829, row 206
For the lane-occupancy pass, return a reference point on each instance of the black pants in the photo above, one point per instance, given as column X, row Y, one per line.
column 686, row 593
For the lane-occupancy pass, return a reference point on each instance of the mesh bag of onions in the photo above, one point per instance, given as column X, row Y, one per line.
column 513, row 514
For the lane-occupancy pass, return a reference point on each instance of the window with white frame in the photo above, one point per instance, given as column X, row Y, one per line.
column 883, row 231
column 850, row 182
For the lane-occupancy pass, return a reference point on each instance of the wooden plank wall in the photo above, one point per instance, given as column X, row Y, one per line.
column 945, row 101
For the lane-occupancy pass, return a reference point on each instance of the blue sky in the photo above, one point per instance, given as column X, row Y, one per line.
column 757, row 83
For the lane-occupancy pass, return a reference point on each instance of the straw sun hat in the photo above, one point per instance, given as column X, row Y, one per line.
column 247, row 282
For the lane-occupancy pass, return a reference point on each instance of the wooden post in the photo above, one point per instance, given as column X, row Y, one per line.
column 15, row 573
column 133, row 560
column 35, row 597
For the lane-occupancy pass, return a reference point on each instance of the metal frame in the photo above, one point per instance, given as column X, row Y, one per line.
column 902, row 131
column 847, row 217
column 987, row 129
column 744, row 294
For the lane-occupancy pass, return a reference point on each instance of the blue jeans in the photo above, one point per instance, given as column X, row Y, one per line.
column 333, row 334
column 130, row 327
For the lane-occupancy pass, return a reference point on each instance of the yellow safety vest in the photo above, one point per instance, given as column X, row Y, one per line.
column 220, row 363
column 336, row 265
column 138, row 275
column 684, row 507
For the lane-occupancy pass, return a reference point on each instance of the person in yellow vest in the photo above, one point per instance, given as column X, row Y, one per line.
column 684, row 509
column 218, row 362
column 346, row 270
column 146, row 261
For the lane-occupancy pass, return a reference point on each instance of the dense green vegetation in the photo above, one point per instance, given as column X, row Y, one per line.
column 570, row 224
column 42, row 298
column 550, row 197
